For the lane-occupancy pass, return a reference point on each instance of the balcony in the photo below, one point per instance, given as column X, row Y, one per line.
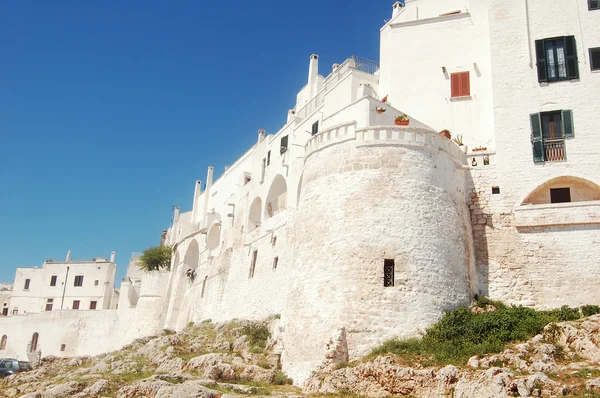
column 554, row 150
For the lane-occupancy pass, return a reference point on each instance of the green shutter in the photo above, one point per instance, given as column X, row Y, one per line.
column 572, row 64
column 540, row 55
column 536, row 138
column 567, row 123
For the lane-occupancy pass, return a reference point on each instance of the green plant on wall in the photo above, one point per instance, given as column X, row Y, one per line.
column 155, row 258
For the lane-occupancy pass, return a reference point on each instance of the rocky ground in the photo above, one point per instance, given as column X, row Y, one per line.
column 224, row 360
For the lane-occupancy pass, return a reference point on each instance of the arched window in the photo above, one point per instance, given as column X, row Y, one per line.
column 3, row 342
column 563, row 189
column 213, row 236
column 191, row 256
column 34, row 342
column 277, row 197
column 254, row 216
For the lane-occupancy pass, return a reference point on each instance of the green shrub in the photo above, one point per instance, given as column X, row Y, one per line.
column 482, row 302
column 257, row 333
column 588, row 310
column 281, row 379
column 155, row 258
column 564, row 313
column 461, row 334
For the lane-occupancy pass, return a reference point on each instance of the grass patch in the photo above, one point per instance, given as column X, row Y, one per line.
column 257, row 334
column 461, row 333
column 281, row 379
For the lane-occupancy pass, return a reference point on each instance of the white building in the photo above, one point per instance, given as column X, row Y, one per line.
column 78, row 285
column 346, row 219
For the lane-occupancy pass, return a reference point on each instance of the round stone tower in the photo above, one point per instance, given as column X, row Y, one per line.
column 382, row 245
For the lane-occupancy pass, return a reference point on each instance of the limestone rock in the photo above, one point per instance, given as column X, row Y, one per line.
column 189, row 389
column 256, row 373
column 144, row 388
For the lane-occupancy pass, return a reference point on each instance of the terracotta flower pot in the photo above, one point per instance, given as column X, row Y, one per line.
column 401, row 122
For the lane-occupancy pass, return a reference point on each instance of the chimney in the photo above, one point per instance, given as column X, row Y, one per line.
column 175, row 214
column 68, row 259
column 291, row 115
column 112, row 257
column 261, row 136
column 197, row 192
column 313, row 75
column 397, row 7
column 334, row 67
column 209, row 181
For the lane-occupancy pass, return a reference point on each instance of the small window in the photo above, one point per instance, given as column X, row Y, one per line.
column 273, row 241
column 96, row 282
column 556, row 59
column 284, row 144
column 53, row 280
column 253, row 264
column 93, row 305
column 275, row 261
column 63, row 347
column 495, row 190
column 78, row 281
column 76, row 304
column 315, row 128
column 268, row 158
column 15, row 311
column 49, row 305
column 560, row 195
column 460, row 84
column 5, row 311
column 388, row 272
column 27, row 281
column 595, row 57
column 593, row 5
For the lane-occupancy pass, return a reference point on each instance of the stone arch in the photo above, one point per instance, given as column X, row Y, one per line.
column 277, row 197
column 255, row 214
column 581, row 190
column 3, row 342
column 33, row 345
column 192, row 255
column 213, row 236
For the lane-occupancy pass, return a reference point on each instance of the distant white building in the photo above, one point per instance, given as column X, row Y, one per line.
column 77, row 285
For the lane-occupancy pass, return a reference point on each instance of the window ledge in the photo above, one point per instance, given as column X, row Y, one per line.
column 552, row 214
column 461, row 98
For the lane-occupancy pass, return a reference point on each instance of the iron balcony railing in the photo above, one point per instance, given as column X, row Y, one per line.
column 365, row 65
column 554, row 150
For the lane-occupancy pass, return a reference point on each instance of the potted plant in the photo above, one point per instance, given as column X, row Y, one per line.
column 401, row 120
column 446, row 133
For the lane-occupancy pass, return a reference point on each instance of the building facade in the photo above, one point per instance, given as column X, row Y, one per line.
column 359, row 214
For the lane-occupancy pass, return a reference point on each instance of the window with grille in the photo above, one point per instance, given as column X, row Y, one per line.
column 388, row 272
column 76, row 304
column 595, row 58
column 53, row 280
column 548, row 133
column 460, row 84
column 93, row 305
column 63, row 347
column 96, row 282
column 78, row 281
column 253, row 264
column 556, row 59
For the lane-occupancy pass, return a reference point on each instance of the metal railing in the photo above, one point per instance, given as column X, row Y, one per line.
column 365, row 65
column 554, row 150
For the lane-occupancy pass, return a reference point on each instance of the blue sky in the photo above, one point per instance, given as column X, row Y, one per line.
column 109, row 111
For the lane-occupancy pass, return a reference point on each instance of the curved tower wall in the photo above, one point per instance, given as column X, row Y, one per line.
column 369, row 195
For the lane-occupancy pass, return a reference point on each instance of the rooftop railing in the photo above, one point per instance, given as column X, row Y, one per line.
column 365, row 65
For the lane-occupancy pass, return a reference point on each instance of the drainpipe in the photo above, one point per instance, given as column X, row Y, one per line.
column 64, row 289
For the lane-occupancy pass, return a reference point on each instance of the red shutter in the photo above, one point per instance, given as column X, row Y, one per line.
column 460, row 84
column 465, row 84
column 455, row 84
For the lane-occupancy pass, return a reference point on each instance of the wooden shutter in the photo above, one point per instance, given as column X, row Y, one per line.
column 572, row 64
column 536, row 138
column 465, row 84
column 540, row 55
column 455, row 85
column 567, row 123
